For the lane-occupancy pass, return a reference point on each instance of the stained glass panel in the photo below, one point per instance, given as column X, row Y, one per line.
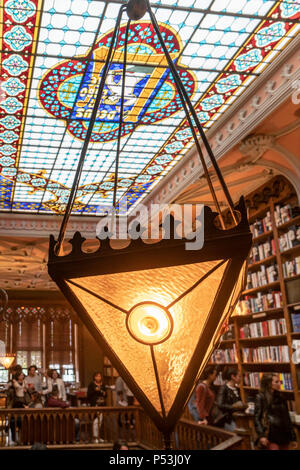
column 48, row 86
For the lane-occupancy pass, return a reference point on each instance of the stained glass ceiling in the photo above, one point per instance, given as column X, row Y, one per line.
column 52, row 54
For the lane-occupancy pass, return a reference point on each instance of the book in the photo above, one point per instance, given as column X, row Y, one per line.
column 295, row 317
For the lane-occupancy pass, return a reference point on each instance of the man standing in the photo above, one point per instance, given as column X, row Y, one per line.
column 33, row 380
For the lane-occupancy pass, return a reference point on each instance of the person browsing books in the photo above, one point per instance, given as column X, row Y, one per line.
column 229, row 399
column 271, row 417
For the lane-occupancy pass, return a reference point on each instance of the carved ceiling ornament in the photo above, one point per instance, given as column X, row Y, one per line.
column 256, row 145
column 28, row 313
column 273, row 189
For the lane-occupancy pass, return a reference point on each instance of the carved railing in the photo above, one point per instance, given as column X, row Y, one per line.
column 188, row 435
column 95, row 426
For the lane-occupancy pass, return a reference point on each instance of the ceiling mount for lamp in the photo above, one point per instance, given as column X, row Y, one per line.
column 136, row 9
column 157, row 304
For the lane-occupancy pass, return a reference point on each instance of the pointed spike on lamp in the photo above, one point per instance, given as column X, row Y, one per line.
column 156, row 309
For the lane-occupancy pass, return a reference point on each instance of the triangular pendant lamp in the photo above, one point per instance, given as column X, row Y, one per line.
column 156, row 309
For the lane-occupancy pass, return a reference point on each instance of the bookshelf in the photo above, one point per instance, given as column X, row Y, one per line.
column 110, row 375
column 266, row 323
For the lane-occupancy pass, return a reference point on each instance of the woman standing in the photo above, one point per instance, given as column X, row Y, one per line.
column 96, row 396
column 21, row 399
column 271, row 417
column 96, row 393
column 58, row 384
column 21, row 395
column 229, row 398
column 205, row 396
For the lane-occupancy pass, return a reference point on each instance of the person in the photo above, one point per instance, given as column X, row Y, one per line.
column 33, row 380
column 205, row 396
column 271, row 417
column 38, row 446
column 124, row 397
column 21, row 392
column 96, row 396
column 21, row 400
column 96, row 393
column 35, row 400
column 192, row 406
column 57, row 383
column 10, row 389
column 229, row 399
column 120, row 445
column 55, row 402
column 47, row 386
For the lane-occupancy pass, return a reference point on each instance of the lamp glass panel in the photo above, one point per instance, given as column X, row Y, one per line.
column 160, row 285
column 136, row 357
column 190, row 315
column 163, row 285
column 236, row 292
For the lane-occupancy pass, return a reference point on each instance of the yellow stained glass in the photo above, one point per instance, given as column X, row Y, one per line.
column 164, row 286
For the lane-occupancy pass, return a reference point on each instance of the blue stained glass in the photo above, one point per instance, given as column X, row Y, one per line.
column 150, row 97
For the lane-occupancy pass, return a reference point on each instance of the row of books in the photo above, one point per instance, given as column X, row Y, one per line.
column 290, row 239
column 291, row 268
column 266, row 354
column 262, row 251
column 262, row 226
column 253, row 379
column 265, row 328
column 259, row 303
column 265, row 275
column 283, row 214
column 220, row 356
column 295, row 317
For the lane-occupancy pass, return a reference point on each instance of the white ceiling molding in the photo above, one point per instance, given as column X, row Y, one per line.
column 39, row 226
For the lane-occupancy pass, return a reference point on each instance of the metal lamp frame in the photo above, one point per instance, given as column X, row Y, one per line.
column 230, row 245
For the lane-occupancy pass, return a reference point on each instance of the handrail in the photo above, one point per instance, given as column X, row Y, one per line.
column 101, row 426
column 230, row 444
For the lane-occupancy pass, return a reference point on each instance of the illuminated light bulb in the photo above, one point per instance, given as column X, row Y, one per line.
column 149, row 323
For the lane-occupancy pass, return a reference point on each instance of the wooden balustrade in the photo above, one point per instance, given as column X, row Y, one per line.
column 81, row 426
column 55, row 426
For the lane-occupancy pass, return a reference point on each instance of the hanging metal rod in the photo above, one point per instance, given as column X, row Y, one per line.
column 75, row 185
column 136, row 10
column 121, row 115
column 184, row 97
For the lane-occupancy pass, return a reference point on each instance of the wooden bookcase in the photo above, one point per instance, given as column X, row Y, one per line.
column 110, row 375
column 265, row 204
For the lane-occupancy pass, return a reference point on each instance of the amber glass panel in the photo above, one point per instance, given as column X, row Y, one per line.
column 135, row 356
column 163, row 286
column 190, row 315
